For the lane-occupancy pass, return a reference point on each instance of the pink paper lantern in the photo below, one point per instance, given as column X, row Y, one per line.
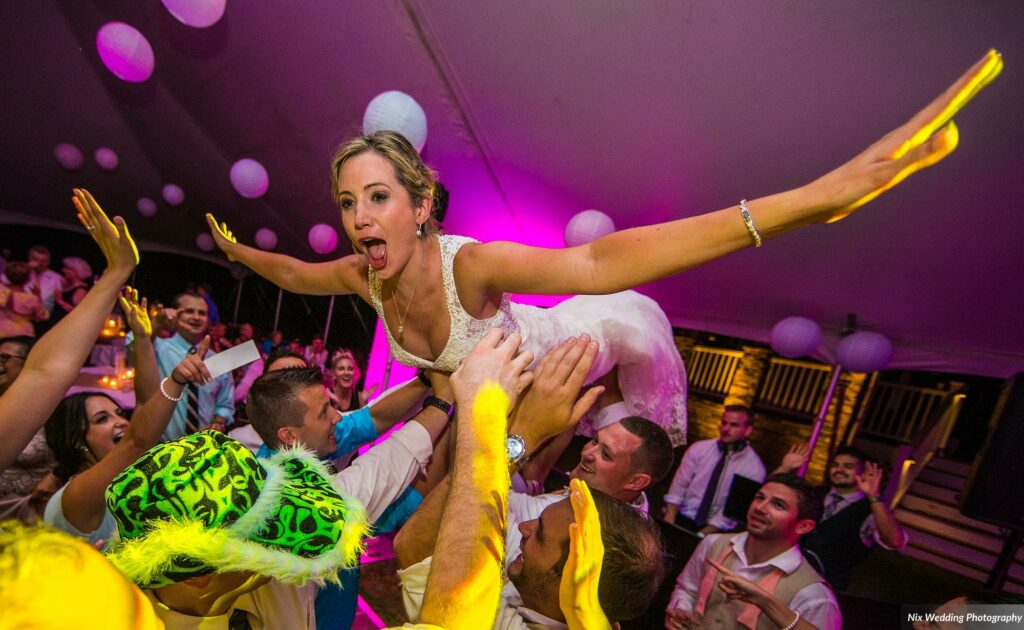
column 68, row 156
column 266, row 239
column 323, row 238
column 397, row 111
column 146, row 206
column 125, row 52
column 106, row 158
column 196, row 13
column 795, row 337
column 249, row 178
column 864, row 352
column 205, row 242
column 173, row 194
column 587, row 226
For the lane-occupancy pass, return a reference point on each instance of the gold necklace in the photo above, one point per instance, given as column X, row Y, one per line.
column 408, row 305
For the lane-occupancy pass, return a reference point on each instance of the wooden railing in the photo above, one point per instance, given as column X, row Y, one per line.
column 793, row 387
column 899, row 412
column 711, row 370
column 932, row 437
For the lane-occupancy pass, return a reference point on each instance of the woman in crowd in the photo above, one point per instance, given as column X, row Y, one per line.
column 93, row 441
column 75, row 277
column 345, row 374
column 19, row 307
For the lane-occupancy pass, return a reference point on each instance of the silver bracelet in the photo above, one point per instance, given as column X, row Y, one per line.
column 793, row 623
column 168, row 396
column 749, row 222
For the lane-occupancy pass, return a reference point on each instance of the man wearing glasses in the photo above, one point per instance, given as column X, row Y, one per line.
column 13, row 351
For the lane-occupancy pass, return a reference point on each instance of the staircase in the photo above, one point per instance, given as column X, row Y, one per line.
column 941, row 535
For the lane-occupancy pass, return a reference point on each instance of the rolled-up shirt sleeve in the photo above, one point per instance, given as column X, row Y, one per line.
column 377, row 478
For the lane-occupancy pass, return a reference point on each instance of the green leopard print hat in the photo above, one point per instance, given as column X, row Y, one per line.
column 204, row 504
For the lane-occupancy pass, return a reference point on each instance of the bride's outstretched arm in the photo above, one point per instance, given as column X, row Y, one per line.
column 631, row 257
column 344, row 275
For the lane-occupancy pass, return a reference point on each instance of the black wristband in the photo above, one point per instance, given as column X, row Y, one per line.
column 176, row 380
column 434, row 401
column 422, row 375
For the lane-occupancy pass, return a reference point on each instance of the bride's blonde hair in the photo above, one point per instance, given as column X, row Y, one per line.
column 418, row 179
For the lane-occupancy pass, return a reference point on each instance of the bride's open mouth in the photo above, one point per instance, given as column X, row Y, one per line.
column 376, row 251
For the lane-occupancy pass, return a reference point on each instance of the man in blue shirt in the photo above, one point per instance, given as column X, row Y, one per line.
column 215, row 399
column 289, row 406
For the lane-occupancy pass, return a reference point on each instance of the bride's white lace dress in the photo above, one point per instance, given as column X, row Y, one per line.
column 631, row 328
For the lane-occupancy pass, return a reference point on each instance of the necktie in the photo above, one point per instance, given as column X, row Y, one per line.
column 709, row 492
column 832, row 507
column 192, row 417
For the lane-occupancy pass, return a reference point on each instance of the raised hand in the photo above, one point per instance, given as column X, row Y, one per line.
column 870, row 481
column 222, row 236
column 577, row 592
column 192, row 369
column 553, row 402
column 920, row 142
column 136, row 312
column 795, row 457
column 113, row 237
column 493, row 360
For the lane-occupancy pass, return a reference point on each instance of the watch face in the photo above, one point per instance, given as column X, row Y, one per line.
column 515, row 447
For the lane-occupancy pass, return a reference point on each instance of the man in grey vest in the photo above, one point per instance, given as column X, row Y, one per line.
column 758, row 578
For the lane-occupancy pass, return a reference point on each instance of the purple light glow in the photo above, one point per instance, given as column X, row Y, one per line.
column 205, row 242
column 125, row 52
column 173, row 194
column 266, row 239
column 106, row 158
column 146, row 206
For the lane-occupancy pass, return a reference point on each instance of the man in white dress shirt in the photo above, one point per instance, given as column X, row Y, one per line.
column 696, row 499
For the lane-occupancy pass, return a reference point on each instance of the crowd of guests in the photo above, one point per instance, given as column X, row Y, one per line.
column 212, row 519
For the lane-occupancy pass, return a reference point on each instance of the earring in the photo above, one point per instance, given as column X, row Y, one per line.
column 419, row 230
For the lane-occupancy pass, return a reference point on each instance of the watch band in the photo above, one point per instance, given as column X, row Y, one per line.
column 421, row 374
column 434, row 401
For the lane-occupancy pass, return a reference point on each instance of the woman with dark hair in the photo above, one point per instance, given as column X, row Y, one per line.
column 93, row 439
column 19, row 307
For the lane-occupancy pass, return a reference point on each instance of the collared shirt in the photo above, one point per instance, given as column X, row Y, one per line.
column 353, row 430
column 694, row 474
column 815, row 602
column 869, row 535
column 215, row 398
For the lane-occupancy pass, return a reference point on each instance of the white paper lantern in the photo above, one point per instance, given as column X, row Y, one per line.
column 146, row 206
column 205, row 242
column 864, row 352
column 68, row 156
column 795, row 337
column 106, row 158
column 173, row 194
column 125, row 52
column 249, row 178
column 323, row 238
column 397, row 111
column 196, row 13
column 587, row 226
column 266, row 239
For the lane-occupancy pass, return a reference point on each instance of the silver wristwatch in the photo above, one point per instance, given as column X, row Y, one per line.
column 515, row 446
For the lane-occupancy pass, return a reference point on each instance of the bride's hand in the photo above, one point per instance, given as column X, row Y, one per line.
column 222, row 236
column 920, row 142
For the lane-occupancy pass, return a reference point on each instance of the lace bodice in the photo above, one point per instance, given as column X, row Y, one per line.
column 465, row 329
